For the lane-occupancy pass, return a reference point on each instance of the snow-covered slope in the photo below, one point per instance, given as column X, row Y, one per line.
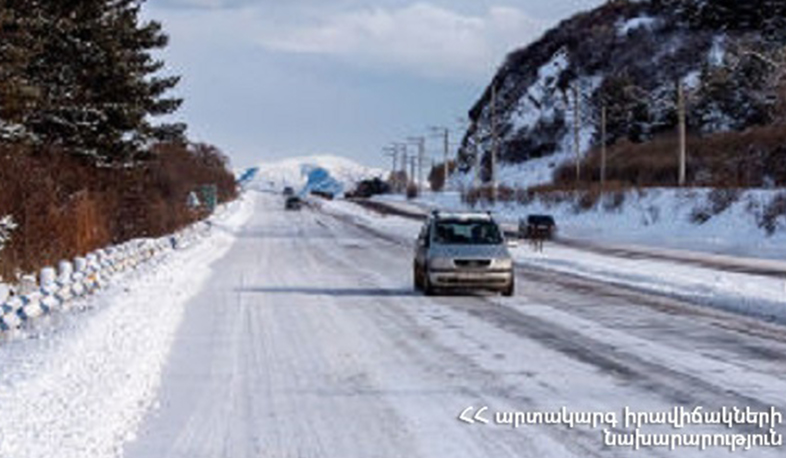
column 274, row 176
column 698, row 219
column 625, row 57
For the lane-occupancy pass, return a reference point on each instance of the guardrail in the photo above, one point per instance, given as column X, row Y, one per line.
column 55, row 289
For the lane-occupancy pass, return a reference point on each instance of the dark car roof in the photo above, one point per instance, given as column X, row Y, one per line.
column 541, row 219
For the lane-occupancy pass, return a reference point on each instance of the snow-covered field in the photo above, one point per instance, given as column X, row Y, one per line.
column 78, row 384
column 657, row 218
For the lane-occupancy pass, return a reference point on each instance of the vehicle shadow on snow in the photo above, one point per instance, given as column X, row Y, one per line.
column 335, row 292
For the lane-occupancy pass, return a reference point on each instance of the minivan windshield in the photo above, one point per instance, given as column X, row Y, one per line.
column 467, row 232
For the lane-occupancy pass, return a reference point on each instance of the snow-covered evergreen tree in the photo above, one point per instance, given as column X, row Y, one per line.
column 96, row 83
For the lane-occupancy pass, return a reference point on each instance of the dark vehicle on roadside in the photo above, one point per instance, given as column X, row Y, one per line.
column 369, row 188
column 288, row 191
column 541, row 227
column 462, row 251
column 293, row 203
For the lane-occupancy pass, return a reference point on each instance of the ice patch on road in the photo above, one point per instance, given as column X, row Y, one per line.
column 82, row 389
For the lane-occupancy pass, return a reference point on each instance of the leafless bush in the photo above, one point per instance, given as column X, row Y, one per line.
column 412, row 191
column 718, row 201
column 773, row 212
column 753, row 158
column 65, row 207
column 613, row 201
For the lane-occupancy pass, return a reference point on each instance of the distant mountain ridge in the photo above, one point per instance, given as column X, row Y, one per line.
column 629, row 56
column 342, row 174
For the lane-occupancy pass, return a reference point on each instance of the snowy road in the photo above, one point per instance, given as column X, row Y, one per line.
column 308, row 341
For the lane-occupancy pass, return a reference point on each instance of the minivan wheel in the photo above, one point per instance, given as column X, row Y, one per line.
column 510, row 289
column 428, row 288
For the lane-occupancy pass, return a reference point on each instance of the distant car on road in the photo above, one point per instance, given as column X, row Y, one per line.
column 541, row 227
column 462, row 251
column 288, row 191
column 293, row 203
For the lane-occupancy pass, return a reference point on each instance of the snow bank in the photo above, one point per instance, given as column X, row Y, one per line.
column 751, row 295
column 81, row 387
column 657, row 218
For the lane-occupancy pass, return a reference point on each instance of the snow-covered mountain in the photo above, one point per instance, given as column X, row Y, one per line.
column 295, row 172
column 628, row 56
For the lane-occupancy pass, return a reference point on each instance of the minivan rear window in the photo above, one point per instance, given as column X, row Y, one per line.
column 467, row 232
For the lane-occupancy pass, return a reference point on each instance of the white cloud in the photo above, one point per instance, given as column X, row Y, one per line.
column 201, row 4
column 420, row 38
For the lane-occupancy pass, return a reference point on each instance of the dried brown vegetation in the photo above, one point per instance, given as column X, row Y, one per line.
column 750, row 159
column 66, row 207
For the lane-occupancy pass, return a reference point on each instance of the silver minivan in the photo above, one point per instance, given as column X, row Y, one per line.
column 461, row 251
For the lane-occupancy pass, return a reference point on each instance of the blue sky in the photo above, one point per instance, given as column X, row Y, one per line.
column 267, row 79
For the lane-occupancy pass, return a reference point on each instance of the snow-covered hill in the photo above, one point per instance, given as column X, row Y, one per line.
column 626, row 57
column 294, row 172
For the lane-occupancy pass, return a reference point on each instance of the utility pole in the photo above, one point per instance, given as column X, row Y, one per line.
column 392, row 152
column 682, row 132
column 446, row 146
column 404, row 167
column 576, row 134
column 444, row 132
column 421, row 142
column 402, row 150
column 494, row 142
column 603, row 147
column 412, row 162
column 476, row 150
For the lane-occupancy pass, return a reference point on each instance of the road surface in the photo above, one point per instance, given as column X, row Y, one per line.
column 308, row 341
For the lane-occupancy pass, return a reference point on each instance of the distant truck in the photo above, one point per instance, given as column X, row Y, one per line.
column 540, row 227
column 369, row 188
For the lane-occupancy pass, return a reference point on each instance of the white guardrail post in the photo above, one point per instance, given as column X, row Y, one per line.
column 56, row 289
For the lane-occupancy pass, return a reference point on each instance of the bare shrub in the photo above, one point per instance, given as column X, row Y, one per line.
column 613, row 201
column 65, row 207
column 586, row 200
column 412, row 191
column 718, row 201
column 721, row 199
column 775, row 210
column 753, row 158
column 436, row 176
column 525, row 196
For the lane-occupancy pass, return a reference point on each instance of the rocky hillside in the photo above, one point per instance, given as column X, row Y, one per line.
column 629, row 56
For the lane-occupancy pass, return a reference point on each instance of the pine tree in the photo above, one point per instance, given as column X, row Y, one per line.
column 98, row 82
column 18, row 43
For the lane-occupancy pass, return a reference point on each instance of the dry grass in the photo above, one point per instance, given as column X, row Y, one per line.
column 750, row 159
column 773, row 212
column 66, row 208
